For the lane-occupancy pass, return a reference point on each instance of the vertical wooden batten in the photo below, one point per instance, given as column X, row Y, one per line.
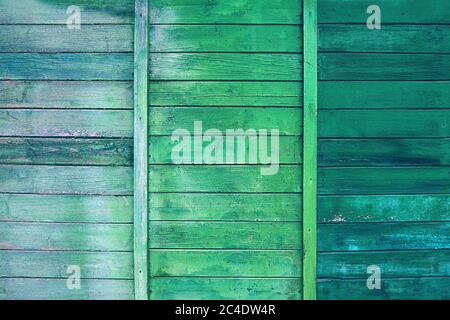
column 310, row 149
column 141, row 55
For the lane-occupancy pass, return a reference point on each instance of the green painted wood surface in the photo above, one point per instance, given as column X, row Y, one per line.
column 223, row 263
column 225, row 207
column 56, row 289
column 66, row 236
column 225, row 235
column 223, row 178
column 66, row 208
column 54, row 264
column 66, row 179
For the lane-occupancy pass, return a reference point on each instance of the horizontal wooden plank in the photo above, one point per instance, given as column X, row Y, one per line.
column 225, row 38
column 66, row 123
column 384, row 123
column 223, row 178
column 383, row 236
column 225, row 235
column 290, row 149
column 164, row 121
column 47, row 264
column 393, row 264
column 54, row 11
column 382, row 66
column 406, row 180
column 56, row 289
column 384, row 95
column 227, row 263
column 66, row 236
column 249, row 207
column 225, row 94
column 383, row 152
column 66, row 66
column 391, row 289
column 225, row 66
column 398, row 11
column 225, row 11
column 64, row 151
column 58, row 38
column 225, row 289
column 66, row 179
column 66, row 208
column 391, row 38
column 66, row 94
column 341, row 209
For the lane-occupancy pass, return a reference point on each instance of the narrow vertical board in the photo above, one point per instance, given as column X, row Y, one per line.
column 309, row 149
column 141, row 150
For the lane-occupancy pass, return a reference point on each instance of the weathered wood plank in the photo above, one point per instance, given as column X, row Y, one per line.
column 66, row 94
column 225, row 289
column 225, row 235
column 234, row 207
column 224, row 263
column 380, row 66
column 225, row 66
column 383, row 236
column 225, row 94
column 66, row 236
column 47, row 264
column 58, row 38
column 384, row 124
column 223, row 178
column 66, row 151
column 66, row 180
column 66, row 123
column 393, row 264
column 66, row 208
column 66, row 66
column 164, row 121
column 403, row 180
column 56, row 289
column 391, row 289
column 412, row 208
column 384, row 152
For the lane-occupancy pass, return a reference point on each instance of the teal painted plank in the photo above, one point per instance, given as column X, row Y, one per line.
column 225, row 235
column 56, row 289
column 223, row 178
column 66, row 123
column 66, row 66
column 66, row 94
column 66, row 208
column 225, row 289
column 47, row 264
column 66, row 236
column 225, row 263
column 223, row 66
column 383, row 236
column 66, row 180
column 412, row 208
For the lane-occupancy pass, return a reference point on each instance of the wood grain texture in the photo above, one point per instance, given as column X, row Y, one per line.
column 66, row 180
column 223, row 66
column 66, row 123
column 383, row 236
column 225, row 235
column 54, row 264
column 225, row 207
column 66, row 66
column 225, row 263
column 66, row 236
column 56, row 289
column 66, row 208
column 223, row 178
